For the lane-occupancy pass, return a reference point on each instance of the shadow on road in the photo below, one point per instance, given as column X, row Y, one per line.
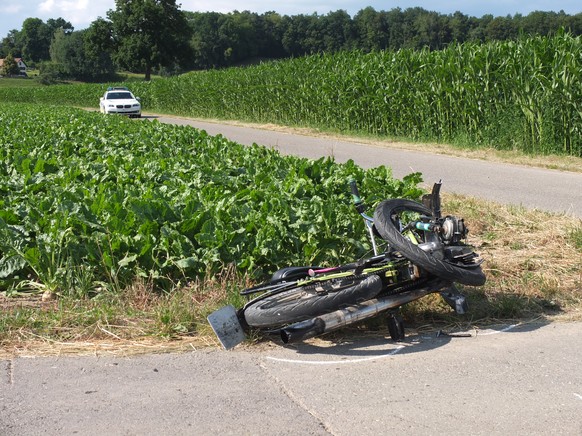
column 379, row 345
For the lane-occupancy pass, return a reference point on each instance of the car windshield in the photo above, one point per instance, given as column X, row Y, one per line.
column 118, row 95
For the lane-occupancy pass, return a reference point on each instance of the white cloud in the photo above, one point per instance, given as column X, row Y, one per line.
column 65, row 7
column 79, row 12
column 10, row 9
column 46, row 6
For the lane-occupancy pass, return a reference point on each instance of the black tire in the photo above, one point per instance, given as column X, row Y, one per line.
column 396, row 327
column 305, row 302
column 385, row 226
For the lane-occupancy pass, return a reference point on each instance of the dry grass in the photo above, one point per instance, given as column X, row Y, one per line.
column 30, row 345
column 533, row 261
column 137, row 320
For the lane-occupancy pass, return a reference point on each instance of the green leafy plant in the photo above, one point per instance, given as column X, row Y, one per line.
column 512, row 95
column 89, row 203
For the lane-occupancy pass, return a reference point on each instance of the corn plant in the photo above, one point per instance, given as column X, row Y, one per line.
column 523, row 94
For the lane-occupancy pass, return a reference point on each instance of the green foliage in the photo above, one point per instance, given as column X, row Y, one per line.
column 576, row 238
column 51, row 73
column 228, row 39
column 98, row 46
column 520, row 95
column 90, row 202
column 148, row 33
column 19, row 83
column 513, row 95
column 35, row 37
column 78, row 57
column 9, row 66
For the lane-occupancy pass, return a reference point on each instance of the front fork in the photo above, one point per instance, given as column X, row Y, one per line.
column 368, row 220
column 370, row 226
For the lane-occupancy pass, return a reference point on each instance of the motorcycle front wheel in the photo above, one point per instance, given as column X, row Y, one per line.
column 387, row 218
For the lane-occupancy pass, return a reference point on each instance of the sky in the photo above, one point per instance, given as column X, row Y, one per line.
column 82, row 12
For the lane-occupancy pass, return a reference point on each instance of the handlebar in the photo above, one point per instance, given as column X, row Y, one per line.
column 358, row 203
column 355, row 193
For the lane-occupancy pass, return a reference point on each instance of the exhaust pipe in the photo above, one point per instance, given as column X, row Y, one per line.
column 340, row 318
column 303, row 330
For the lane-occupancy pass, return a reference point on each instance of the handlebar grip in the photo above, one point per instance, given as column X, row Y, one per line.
column 354, row 189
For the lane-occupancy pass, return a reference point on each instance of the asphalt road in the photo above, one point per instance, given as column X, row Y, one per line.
column 551, row 190
column 512, row 380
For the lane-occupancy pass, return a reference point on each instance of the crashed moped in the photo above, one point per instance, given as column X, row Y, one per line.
column 422, row 252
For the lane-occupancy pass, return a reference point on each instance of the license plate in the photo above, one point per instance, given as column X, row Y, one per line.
column 227, row 327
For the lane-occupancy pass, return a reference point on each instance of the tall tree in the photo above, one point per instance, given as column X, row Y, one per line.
column 11, row 43
column 149, row 33
column 59, row 23
column 98, row 45
column 67, row 51
column 372, row 29
column 338, row 32
column 302, row 35
column 460, row 26
column 272, row 35
column 35, row 46
column 36, row 37
column 501, row 28
column 207, row 52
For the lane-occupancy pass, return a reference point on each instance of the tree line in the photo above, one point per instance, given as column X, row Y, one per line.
column 155, row 36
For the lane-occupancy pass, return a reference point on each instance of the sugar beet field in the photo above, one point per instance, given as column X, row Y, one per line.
column 91, row 202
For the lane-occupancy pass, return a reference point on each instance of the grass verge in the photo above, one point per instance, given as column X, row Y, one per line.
column 533, row 261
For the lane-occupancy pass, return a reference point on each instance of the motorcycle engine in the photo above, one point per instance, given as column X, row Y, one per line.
column 453, row 230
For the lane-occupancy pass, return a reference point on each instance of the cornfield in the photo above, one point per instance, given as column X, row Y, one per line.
column 518, row 95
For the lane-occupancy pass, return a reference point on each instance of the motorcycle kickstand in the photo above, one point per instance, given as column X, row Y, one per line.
column 396, row 326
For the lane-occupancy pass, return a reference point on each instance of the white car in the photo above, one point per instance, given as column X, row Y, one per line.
column 120, row 101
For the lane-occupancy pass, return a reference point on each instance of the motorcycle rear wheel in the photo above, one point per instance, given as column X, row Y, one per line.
column 305, row 302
